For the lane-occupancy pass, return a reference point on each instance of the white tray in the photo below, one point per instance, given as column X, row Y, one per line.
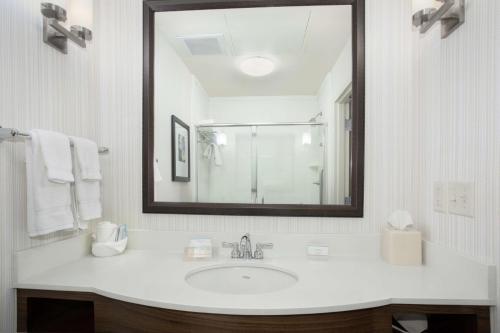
column 109, row 249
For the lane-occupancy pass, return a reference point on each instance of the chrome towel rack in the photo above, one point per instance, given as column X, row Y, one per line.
column 11, row 134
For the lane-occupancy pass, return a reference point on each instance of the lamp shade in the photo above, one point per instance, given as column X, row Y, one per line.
column 418, row 5
column 80, row 12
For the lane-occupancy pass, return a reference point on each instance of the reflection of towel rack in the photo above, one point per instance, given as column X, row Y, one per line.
column 13, row 134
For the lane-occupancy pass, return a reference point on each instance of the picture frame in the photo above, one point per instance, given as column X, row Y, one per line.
column 181, row 150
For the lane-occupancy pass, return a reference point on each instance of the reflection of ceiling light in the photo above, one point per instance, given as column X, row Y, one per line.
column 257, row 66
column 221, row 139
column 306, row 138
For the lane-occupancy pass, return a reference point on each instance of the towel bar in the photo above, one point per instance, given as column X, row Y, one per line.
column 12, row 134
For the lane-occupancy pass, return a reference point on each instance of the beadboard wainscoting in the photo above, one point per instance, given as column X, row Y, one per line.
column 39, row 88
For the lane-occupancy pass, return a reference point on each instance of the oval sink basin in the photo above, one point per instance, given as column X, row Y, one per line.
column 241, row 279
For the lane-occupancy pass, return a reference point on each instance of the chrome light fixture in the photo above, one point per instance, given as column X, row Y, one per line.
column 451, row 14
column 55, row 34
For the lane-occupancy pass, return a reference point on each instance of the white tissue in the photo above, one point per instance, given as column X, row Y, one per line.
column 400, row 220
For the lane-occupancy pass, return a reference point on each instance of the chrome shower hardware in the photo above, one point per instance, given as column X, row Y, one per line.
column 55, row 34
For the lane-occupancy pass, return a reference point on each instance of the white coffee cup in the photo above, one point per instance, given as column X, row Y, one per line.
column 106, row 232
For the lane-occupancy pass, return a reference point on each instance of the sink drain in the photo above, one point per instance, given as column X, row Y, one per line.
column 246, row 277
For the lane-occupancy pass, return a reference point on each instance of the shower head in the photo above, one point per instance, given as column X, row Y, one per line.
column 315, row 118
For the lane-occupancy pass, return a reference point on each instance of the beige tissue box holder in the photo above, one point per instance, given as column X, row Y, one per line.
column 402, row 247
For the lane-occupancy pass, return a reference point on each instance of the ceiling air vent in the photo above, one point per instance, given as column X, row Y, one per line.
column 198, row 45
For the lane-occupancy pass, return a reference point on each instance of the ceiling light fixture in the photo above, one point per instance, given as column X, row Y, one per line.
column 257, row 66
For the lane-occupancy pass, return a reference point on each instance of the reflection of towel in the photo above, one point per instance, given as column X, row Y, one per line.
column 49, row 202
column 213, row 152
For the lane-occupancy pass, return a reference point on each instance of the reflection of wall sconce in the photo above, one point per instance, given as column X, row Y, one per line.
column 221, row 139
column 306, row 138
column 55, row 34
column 451, row 13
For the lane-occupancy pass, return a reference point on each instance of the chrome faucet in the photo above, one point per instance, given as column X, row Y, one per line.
column 243, row 250
column 246, row 247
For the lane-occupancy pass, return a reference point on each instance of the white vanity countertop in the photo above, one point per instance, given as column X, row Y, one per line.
column 157, row 278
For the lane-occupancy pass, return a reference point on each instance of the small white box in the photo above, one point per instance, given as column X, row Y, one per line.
column 317, row 250
column 402, row 247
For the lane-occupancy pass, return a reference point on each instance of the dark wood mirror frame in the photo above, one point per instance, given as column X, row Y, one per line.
column 150, row 7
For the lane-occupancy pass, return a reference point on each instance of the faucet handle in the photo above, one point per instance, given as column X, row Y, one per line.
column 259, row 254
column 235, row 253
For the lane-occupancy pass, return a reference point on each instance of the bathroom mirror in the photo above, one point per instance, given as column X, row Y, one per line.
column 254, row 107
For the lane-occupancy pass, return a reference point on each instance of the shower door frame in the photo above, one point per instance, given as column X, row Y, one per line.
column 150, row 7
column 254, row 154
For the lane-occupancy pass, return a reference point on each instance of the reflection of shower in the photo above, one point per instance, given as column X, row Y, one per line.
column 272, row 163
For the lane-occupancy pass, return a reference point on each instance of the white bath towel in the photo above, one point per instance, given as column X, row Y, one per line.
column 56, row 153
column 87, row 157
column 87, row 191
column 49, row 202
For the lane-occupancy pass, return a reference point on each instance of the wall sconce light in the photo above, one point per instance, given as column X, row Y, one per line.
column 451, row 13
column 55, row 34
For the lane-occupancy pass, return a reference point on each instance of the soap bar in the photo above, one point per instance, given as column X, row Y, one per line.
column 402, row 247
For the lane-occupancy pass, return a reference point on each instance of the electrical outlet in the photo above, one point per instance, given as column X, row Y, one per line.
column 440, row 197
column 461, row 199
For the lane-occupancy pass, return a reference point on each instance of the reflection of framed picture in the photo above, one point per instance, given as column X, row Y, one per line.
column 181, row 159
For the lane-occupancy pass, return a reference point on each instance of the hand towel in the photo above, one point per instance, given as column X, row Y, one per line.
column 207, row 154
column 56, row 153
column 213, row 152
column 87, row 192
column 87, row 157
column 49, row 203
column 217, row 156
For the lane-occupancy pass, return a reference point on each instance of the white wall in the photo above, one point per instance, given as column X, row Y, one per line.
column 457, row 109
column 177, row 92
column 458, row 133
column 496, row 197
column 261, row 109
column 335, row 84
column 39, row 88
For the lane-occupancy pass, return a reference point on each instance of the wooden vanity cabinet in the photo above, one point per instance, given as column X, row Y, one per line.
column 61, row 311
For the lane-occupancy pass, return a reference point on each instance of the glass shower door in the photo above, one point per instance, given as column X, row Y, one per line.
column 224, row 164
column 289, row 164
